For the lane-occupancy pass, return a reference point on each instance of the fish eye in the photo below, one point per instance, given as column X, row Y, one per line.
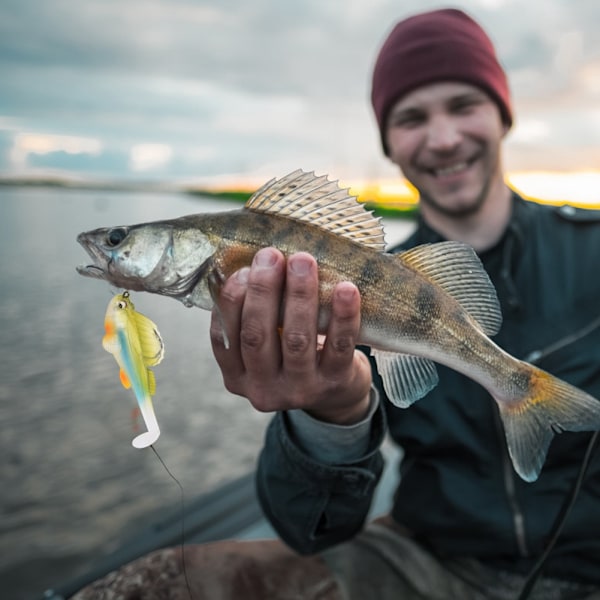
column 122, row 304
column 115, row 236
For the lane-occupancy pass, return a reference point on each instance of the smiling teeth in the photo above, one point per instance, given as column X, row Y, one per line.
column 451, row 170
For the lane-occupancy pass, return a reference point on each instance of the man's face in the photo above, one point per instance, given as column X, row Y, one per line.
column 446, row 139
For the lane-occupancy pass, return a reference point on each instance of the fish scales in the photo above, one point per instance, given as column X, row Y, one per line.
column 431, row 304
column 379, row 278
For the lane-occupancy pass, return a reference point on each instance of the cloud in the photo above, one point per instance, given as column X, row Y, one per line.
column 146, row 157
column 531, row 130
column 246, row 86
column 25, row 144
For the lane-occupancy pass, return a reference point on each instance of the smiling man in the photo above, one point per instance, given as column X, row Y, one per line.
column 442, row 103
column 445, row 138
column 463, row 525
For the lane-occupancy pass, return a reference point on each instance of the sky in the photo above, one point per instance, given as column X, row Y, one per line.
column 195, row 91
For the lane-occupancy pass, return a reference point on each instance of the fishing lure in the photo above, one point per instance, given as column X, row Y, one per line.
column 133, row 339
column 135, row 342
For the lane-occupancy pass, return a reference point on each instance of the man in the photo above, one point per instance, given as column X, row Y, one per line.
column 463, row 525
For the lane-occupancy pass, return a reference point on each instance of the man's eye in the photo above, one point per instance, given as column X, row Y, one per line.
column 466, row 105
column 463, row 106
column 405, row 121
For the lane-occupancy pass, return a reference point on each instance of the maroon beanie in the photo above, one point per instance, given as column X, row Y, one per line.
column 442, row 45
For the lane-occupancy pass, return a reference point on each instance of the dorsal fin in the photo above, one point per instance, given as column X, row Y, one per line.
column 305, row 197
column 456, row 268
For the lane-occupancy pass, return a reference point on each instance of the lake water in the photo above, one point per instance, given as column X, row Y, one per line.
column 73, row 487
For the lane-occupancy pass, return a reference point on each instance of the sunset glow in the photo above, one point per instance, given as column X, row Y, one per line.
column 579, row 188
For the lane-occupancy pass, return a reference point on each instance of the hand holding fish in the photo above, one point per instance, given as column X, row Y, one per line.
column 280, row 368
column 432, row 303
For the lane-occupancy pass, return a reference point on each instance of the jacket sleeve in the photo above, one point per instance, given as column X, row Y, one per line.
column 314, row 505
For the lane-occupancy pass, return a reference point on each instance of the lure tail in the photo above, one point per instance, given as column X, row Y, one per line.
column 550, row 406
column 147, row 409
column 149, row 437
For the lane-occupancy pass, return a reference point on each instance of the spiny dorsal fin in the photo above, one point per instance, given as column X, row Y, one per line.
column 456, row 268
column 316, row 200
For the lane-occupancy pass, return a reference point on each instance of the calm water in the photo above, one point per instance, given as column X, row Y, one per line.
column 73, row 487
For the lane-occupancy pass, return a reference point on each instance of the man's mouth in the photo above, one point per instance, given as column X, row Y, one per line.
column 451, row 169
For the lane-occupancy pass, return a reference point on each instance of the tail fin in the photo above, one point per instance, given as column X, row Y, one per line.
column 552, row 406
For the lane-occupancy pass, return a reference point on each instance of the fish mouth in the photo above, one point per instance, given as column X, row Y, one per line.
column 91, row 271
column 99, row 268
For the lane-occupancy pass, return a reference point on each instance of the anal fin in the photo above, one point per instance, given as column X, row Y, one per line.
column 406, row 378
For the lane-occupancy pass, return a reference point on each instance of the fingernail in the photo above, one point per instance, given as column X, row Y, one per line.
column 265, row 258
column 242, row 275
column 299, row 264
column 345, row 291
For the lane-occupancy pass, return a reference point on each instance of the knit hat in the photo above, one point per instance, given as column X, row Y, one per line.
column 441, row 45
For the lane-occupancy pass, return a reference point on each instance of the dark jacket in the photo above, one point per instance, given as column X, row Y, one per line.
column 458, row 493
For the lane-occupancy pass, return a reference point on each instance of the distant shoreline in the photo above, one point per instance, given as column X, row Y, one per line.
column 88, row 184
column 382, row 203
column 392, row 208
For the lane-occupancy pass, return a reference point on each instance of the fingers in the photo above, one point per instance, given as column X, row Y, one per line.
column 258, row 332
column 225, row 324
column 343, row 330
column 248, row 311
column 346, row 371
column 299, row 331
column 278, row 350
column 270, row 314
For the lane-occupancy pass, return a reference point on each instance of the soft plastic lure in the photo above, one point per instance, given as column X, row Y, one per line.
column 133, row 339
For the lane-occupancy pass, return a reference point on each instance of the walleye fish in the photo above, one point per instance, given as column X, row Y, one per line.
column 133, row 339
column 433, row 303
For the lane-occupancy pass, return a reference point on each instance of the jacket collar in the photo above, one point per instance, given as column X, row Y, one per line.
column 517, row 226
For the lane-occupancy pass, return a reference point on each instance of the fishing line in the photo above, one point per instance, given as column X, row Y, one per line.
column 182, row 498
column 560, row 521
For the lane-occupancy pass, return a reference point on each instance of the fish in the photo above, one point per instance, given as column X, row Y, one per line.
column 430, row 304
column 135, row 342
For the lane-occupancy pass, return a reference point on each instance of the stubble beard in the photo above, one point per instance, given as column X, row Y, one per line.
column 460, row 212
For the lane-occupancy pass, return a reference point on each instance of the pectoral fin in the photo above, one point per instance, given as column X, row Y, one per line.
column 406, row 378
column 151, row 345
column 215, row 282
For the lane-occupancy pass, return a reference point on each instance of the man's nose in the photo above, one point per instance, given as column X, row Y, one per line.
column 443, row 133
